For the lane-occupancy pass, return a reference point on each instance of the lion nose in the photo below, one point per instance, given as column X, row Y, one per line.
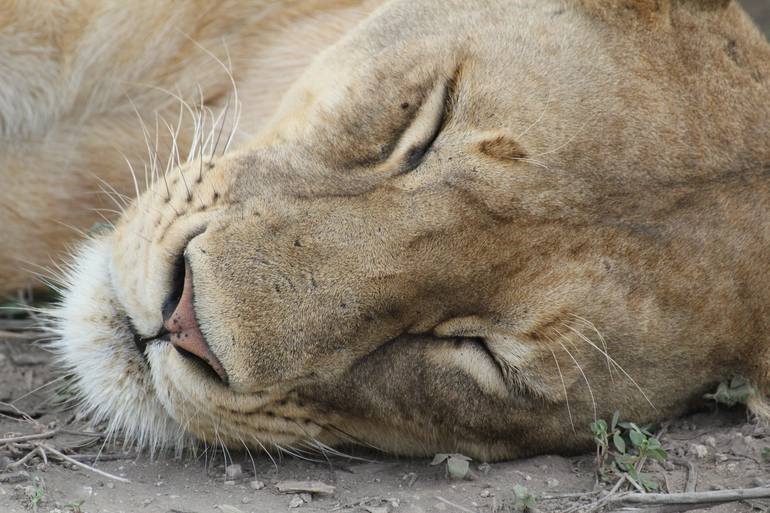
column 180, row 321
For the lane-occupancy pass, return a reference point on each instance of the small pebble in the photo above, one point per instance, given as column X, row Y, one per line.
column 486, row 492
column 256, row 485
column 710, row 441
column 296, row 501
column 229, row 483
column 552, row 483
column 233, row 471
column 698, row 450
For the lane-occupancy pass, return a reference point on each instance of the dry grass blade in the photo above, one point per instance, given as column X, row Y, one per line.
column 692, row 473
column 82, row 465
column 452, row 504
column 26, row 438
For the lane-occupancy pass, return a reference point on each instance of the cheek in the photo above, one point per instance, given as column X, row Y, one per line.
column 472, row 360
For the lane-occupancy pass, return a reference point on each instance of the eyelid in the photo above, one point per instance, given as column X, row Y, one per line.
column 420, row 135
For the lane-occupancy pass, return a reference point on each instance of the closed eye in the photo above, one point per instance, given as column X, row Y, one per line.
column 419, row 137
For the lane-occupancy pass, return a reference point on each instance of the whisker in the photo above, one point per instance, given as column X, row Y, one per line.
column 540, row 117
column 564, row 386
column 612, row 360
column 577, row 364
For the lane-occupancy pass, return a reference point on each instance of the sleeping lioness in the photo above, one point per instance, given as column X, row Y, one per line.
column 424, row 226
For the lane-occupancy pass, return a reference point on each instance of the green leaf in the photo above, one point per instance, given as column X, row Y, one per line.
column 524, row 498
column 658, row 454
column 637, row 438
column 620, row 444
column 737, row 391
column 599, row 427
column 615, row 419
column 440, row 458
column 653, row 443
column 457, row 468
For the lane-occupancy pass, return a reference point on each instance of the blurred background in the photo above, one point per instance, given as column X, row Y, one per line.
column 760, row 10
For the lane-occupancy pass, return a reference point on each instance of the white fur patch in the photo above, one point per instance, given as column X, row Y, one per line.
column 94, row 343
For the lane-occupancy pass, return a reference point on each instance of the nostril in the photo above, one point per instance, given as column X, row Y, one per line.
column 176, row 290
column 181, row 323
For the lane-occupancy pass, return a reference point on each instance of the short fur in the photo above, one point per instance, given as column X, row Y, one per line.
column 467, row 226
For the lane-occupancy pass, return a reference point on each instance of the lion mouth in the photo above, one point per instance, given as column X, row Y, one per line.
column 181, row 329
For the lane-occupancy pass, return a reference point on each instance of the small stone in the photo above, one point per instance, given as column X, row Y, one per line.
column 710, row 441
column 229, row 483
column 409, row 478
column 306, row 497
column 296, row 501
column 721, row 458
column 698, row 450
column 669, row 466
column 552, row 483
column 110, row 485
column 256, row 485
column 528, row 478
column 147, row 502
column 484, row 468
column 234, row 471
column 245, row 500
column 486, row 492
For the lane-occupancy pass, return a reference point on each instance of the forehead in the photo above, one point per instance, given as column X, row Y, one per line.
column 514, row 56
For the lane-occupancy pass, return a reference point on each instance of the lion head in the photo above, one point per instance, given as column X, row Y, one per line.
column 470, row 226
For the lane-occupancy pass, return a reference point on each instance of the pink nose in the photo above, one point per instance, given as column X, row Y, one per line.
column 185, row 334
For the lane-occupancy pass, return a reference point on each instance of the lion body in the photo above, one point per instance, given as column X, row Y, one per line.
column 442, row 226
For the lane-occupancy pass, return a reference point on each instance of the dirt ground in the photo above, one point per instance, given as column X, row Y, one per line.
column 727, row 450
column 716, row 449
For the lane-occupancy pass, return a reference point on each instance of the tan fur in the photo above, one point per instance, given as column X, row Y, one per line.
column 587, row 232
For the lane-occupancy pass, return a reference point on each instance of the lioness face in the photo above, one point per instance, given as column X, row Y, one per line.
column 458, row 233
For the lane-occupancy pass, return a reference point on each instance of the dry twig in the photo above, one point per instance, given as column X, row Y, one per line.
column 692, row 498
